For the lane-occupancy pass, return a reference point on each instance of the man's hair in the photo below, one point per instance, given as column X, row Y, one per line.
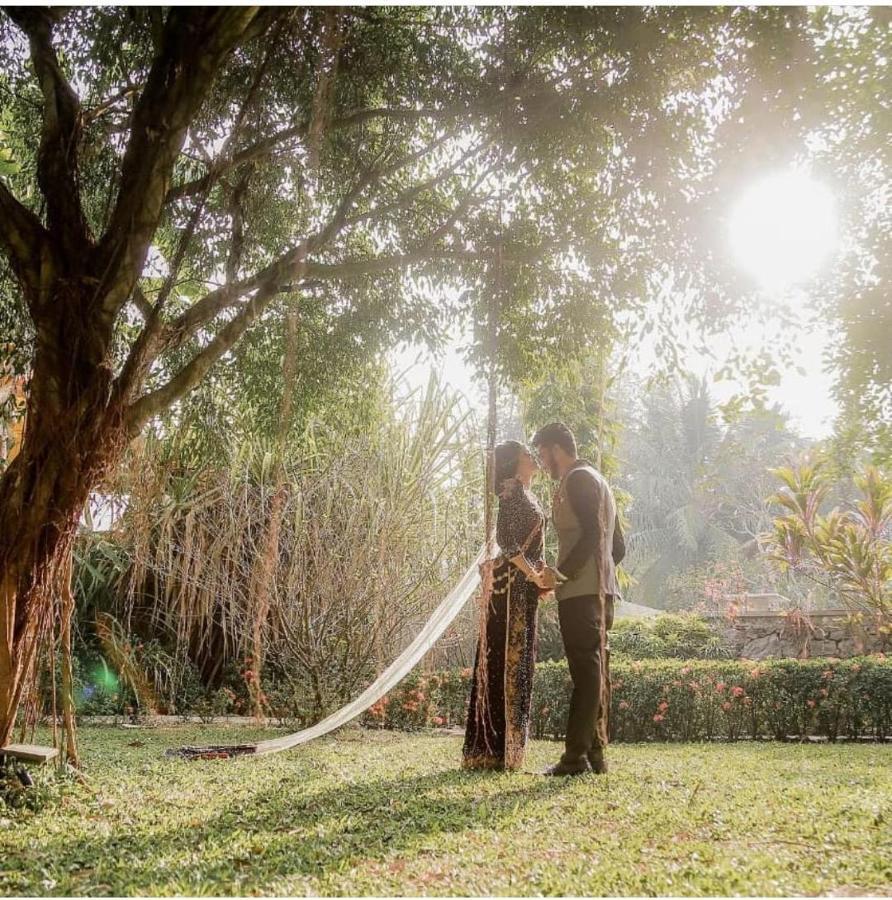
column 556, row 433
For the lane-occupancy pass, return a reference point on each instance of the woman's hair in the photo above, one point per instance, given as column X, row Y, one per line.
column 507, row 456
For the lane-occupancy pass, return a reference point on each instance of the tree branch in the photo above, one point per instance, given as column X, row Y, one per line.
column 25, row 242
column 273, row 142
column 57, row 155
column 142, row 303
column 195, row 43
column 193, row 372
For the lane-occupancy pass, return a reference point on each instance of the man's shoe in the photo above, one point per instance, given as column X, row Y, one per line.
column 579, row 767
column 598, row 761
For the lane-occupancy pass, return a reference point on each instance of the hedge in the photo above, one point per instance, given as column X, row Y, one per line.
column 679, row 700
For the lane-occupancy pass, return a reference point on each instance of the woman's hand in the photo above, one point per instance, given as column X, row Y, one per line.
column 540, row 579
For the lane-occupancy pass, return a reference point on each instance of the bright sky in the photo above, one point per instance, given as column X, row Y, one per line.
column 807, row 397
column 782, row 231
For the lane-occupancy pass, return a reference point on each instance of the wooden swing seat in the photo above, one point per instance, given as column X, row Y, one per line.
column 30, row 752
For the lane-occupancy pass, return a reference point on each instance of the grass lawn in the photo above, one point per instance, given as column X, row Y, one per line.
column 384, row 813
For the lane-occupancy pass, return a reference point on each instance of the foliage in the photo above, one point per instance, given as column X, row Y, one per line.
column 687, row 700
column 43, row 794
column 381, row 506
column 848, row 550
column 852, row 157
column 383, row 139
column 683, row 636
column 670, row 448
column 710, row 589
column 698, row 491
column 577, row 392
column 388, row 814
column 666, row 637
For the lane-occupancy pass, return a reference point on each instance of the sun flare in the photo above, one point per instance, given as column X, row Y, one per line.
column 783, row 228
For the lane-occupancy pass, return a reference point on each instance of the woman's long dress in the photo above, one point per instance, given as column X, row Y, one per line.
column 499, row 716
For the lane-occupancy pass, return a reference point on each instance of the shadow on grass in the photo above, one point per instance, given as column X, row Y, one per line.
column 287, row 829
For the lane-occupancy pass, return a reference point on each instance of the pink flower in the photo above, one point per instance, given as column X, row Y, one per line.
column 726, row 706
column 658, row 718
column 623, row 704
column 737, row 691
column 810, row 703
column 720, row 687
column 663, row 706
column 437, row 720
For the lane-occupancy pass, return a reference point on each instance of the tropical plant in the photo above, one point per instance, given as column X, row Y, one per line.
column 669, row 450
column 847, row 550
column 378, row 515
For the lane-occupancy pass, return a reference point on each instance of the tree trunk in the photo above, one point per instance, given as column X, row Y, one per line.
column 71, row 438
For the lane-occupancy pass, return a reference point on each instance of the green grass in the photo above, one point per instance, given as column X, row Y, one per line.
column 384, row 813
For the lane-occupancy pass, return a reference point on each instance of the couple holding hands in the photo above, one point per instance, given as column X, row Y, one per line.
column 590, row 545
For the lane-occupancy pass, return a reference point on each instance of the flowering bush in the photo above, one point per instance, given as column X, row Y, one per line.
column 685, row 700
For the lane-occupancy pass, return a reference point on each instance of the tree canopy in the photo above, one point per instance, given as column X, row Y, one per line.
column 364, row 162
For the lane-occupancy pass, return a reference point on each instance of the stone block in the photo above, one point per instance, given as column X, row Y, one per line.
column 763, row 647
column 822, row 648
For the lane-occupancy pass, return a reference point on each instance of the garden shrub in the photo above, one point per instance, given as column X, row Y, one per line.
column 667, row 636
column 682, row 636
column 683, row 700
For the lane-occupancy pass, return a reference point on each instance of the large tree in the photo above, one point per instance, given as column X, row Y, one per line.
column 173, row 177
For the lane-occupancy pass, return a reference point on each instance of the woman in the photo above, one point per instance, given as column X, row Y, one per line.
column 501, row 694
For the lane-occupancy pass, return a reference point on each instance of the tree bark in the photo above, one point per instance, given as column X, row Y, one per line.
column 71, row 438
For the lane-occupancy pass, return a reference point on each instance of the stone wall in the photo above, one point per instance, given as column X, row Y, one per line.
column 765, row 635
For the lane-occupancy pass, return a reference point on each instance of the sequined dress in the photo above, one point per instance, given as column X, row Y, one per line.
column 498, row 717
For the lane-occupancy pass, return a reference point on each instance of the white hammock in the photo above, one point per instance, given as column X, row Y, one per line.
column 439, row 621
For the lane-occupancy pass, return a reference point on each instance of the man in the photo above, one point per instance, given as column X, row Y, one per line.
column 590, row 544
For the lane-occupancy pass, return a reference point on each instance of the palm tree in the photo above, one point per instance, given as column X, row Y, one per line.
column 669, row 452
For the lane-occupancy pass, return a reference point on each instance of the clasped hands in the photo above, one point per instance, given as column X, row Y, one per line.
column 547, row 578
